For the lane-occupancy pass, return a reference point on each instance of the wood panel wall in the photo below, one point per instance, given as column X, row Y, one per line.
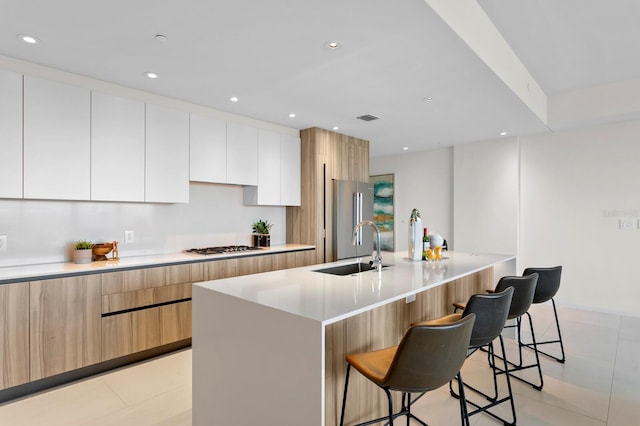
column 325, row 155
column 377, row 329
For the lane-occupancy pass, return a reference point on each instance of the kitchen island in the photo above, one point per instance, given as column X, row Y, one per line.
column 269, row 348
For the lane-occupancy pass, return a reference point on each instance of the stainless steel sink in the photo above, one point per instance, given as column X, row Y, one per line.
column 352, row 268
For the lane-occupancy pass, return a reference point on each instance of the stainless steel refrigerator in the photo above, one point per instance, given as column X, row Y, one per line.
column 352, row 203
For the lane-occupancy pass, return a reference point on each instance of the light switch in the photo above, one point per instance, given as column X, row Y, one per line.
column 3, row 242
column 627, row 224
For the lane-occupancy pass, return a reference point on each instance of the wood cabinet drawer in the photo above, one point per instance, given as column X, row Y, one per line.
column 139, row 279
column 130, row 332
column 140, row 298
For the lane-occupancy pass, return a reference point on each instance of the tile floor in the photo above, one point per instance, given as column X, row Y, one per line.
column 598, row 385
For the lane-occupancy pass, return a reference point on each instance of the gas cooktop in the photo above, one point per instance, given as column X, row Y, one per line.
column 222, row 250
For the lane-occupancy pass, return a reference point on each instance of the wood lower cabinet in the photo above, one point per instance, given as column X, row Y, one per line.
column 53, row 326
column 130, row 332
column 65, row 326
column 14, row 334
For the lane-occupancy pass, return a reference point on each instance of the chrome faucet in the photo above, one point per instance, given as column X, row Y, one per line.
column 376, row 260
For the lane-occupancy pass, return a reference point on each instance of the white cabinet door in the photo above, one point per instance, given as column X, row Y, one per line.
column 242, row 154
column 268, row 168
column 278, row 171
column 167, row 155
column 10, row 135
column 57, row 145
column 117, row 148
column 208, row 149
column 289, row 170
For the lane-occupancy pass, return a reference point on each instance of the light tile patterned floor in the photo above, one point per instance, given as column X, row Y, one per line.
column 598, row 385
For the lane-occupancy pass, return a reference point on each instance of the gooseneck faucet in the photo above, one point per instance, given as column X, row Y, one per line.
column 376, row 260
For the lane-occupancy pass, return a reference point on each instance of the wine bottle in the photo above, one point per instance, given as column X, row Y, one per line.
column 425, row 244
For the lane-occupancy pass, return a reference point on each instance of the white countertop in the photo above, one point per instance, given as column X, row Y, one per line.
column 330, row 298
column 52, row 270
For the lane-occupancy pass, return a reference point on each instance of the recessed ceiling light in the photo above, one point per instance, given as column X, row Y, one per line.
column 427, row 99
column 503, row 133
column 292, row 115
column 28, row 38
column 233, row 99
column 161, row 38
column 335, row 127
column 332, row 45
column 405, row 148
column 151, row 74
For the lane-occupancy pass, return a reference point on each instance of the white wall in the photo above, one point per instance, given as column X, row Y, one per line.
column 43, row 231
column 576, row 186
column 554, row 199
column 421, row 180
column 485, row 199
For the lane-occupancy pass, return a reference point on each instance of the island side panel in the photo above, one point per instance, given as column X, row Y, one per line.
column 253, row 364
column 379, row 328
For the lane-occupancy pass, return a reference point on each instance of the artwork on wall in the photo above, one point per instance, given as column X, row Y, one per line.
column 383, row 208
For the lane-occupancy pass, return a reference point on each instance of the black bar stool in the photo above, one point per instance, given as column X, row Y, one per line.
column 523, row 290
column 427, row 357
column 546, row 289
column 491, row 311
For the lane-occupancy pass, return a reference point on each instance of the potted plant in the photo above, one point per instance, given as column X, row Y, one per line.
column 261, row 237
column 82, row 251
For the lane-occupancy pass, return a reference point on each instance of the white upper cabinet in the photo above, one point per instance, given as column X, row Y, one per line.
column 242, row 154
column 167, row 155
column 57, row 146
column 278, row 171
column 267, row 192
column 117, row 148
column 290, row 170
column 208, row 149
column 10, row 135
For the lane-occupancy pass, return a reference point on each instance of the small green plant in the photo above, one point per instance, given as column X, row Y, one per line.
column 83, row 245
column 262, row 227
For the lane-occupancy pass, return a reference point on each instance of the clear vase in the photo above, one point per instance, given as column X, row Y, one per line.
column 415, row 239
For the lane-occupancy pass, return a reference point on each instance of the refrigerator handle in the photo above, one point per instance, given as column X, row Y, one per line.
column 360, row 217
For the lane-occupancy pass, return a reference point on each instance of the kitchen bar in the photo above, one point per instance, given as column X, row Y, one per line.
column 279, row 339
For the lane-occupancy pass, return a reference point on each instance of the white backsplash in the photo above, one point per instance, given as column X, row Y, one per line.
column 44, row 231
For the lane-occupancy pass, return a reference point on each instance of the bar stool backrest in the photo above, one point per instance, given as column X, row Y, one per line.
column 429, row 356
column 491, row 311
column 523, row 291
column 548, row 282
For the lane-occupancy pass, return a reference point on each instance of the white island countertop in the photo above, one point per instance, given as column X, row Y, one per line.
column 329, row 298
column 279, row 338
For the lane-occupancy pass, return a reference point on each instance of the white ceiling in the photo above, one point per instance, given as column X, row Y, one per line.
column 271, row 55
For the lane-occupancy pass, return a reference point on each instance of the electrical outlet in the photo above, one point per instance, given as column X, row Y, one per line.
column 3, row 242
column 128, row 237
column 411, row 298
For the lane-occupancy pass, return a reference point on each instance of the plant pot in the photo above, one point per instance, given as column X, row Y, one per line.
column 261, row 240
column 82, row 256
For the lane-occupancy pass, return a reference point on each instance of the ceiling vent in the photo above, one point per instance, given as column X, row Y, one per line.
column 368, row 117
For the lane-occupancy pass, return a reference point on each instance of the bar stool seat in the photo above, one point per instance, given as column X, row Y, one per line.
column 546, row 289
column 428, row 357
